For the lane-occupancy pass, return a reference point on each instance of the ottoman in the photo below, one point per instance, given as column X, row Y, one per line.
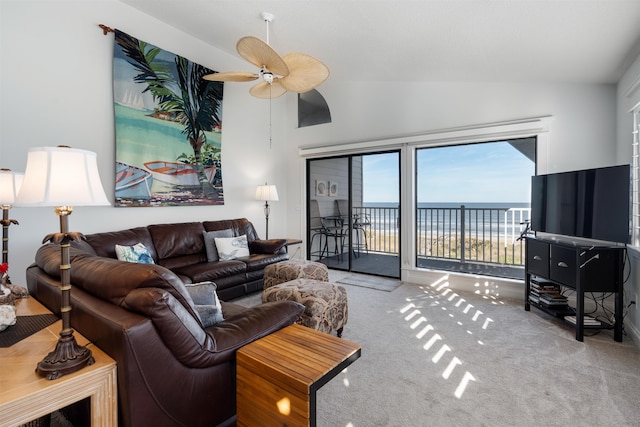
column 325, row 304
column 285, row 271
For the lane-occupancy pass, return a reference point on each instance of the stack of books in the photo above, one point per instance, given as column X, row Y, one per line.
column 553, row 299
column 588, row 320
column 546, row 293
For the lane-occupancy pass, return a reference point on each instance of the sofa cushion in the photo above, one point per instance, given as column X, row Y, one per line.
column 232, row 247
column 178, row 243
column 104, row 244
column 136, row 253
column 210, row 244
column 260, row 261
column 239, row 226
column 211, row 271
column 206, row 302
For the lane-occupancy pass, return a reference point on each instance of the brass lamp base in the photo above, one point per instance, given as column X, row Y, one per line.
column 67, row 357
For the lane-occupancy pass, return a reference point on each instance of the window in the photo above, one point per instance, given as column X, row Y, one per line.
column 534, row 127
column 472, row 204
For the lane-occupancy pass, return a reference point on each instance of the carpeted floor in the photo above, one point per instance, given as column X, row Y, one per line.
column 432, row 356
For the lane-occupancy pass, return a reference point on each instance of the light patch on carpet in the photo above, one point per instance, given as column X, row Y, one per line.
column 372, row 282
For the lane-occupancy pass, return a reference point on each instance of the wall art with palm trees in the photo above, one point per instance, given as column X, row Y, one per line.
column 168, row 122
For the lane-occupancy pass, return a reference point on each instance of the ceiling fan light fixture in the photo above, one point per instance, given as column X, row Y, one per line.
column 267, row 76
column 293, row 72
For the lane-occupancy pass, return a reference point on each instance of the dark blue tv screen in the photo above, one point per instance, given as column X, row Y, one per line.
column 590, row 203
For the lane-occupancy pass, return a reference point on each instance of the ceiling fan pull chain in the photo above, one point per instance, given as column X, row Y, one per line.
column 270, row 117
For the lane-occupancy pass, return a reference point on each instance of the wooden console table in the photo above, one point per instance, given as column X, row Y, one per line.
column 26, row 396
column 582, row 268
column 277, row 376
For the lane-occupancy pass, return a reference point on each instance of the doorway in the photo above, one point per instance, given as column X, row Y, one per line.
column 353, row 212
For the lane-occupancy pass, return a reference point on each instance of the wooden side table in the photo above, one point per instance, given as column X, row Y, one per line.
column 277, row 376
column 25, row 395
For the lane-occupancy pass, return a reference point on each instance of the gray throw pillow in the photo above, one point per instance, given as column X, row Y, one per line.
column 206, row 302
column 210, row 244
column 209, row 315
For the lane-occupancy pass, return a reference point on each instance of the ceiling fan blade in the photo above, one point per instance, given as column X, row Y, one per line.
column 305, row 72
column 232, row 76
column 261, row 55
column 265, row 90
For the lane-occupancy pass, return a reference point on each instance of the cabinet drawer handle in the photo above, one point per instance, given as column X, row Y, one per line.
column 537, row 258
column 562, row 264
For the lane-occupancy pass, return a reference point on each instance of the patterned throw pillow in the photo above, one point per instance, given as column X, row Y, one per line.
column 136, row 253
column 232, row 248
column 206, row 302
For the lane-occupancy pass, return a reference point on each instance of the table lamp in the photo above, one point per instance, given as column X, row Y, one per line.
column 268, row 193
column 10, row 183
column 62, row 177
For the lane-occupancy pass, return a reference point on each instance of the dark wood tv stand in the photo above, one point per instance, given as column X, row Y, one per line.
column 581, row 267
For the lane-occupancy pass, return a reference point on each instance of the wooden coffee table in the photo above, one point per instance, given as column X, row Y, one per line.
column 26, row 396
column 278, row 376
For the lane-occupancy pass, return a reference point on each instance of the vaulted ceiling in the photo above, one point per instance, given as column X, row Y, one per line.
column 578, row 41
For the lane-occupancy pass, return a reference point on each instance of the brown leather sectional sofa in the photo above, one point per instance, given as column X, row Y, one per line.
column 172, row 371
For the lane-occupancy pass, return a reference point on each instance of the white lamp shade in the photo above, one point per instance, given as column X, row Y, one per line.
column 61, row 176
column 10, row 183
column 267, row 192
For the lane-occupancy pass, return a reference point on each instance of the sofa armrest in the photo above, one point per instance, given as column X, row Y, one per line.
column 179, row 330
column 271, row 246
column 254, row 323
column 199, row 348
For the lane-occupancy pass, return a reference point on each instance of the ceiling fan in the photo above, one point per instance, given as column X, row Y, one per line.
column 293, row 72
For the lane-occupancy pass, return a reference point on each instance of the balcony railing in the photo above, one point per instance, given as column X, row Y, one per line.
column 480, row 235
column 382, row 229
column 457, row 233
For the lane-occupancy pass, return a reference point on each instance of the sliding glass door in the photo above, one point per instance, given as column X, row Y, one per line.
column 353, row 212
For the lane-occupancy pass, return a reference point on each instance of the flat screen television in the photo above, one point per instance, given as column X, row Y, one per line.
column 589, row 203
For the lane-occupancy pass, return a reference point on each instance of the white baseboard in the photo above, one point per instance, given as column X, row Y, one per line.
column 632, row 333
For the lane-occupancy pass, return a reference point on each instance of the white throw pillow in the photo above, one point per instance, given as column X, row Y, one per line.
column 232, row 247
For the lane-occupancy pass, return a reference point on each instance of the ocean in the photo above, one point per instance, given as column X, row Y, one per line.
column 497, row 218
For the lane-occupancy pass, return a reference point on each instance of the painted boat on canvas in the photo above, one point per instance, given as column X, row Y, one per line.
column 132, row 182
column 175, row 173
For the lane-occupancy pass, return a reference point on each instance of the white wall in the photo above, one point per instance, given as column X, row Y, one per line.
column 582, row 133
column 56, row 88
column 629, row 98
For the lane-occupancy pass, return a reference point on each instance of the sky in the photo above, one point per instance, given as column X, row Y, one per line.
column 488, row 172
